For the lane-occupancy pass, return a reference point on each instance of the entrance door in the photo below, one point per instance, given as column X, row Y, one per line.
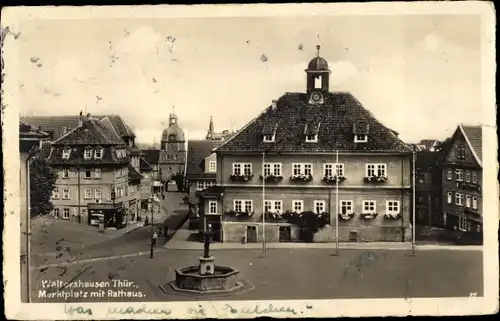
column 251, row 234
column 285, row 234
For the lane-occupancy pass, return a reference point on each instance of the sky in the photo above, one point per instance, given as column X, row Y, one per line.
column 419, row 75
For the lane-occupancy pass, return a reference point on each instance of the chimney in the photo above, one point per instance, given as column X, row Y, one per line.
column 80, row 119
column 64, row 129
column 275, row 104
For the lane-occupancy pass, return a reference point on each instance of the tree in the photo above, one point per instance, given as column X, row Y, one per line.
column 42, row 182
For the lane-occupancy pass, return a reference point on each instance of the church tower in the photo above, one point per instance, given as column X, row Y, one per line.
column 318, row 79
column 173, row 149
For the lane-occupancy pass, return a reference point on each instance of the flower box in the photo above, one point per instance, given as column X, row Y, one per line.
column 392, row 216
column 369, row 216
column 243, row 214
column 272, row 178
column 375, row 179
column 333, row 179
column 346, row 216
column 235, row 177
column 301, row 178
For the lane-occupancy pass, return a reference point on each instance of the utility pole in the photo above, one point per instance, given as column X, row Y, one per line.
column 152, row 229
column 263, row 207
column 413, row 203
column 78, row 183
column 337, row 170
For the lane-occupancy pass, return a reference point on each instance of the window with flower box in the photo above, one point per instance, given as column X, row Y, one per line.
column 66, row 195
column 240, row 169
column 212, row 207
column 369, row 207
column 392, row 207
column 55, row 193
column 273, row 206
column 459, row 199
column 319, row 206
column 376, row 170
column 243, row 206
column 302, row 169
column 238, row 206
column 329, row 172
column 346, row 207
column 247, row 169
column 298, row 206
column 459, row 175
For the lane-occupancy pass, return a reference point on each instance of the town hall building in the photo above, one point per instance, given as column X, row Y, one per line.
column 290, row 160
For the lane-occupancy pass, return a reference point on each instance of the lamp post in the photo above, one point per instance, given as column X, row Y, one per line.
column 151, row 201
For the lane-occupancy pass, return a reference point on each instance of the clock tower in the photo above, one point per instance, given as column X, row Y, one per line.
column 318, row 76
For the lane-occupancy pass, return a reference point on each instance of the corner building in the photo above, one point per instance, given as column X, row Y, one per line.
column 294, row 145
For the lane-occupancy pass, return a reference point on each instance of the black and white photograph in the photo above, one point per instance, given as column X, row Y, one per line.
column 240, row 161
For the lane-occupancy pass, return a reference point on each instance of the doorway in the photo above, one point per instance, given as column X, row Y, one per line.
column 285, row 234
column 251, row 234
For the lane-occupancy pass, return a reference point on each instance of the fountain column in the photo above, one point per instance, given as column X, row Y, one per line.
column 207, row 262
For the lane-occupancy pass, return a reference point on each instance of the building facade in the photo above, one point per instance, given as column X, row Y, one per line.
column 291, row 158
column 96, row 180
column 172, row 158
column 428, row 189
column 30, row 140
column 200, row 173
column 462, row 182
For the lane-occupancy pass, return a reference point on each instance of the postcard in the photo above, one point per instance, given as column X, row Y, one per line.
column 239, row 161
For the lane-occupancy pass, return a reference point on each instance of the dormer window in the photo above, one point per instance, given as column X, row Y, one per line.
column 87, row 154
column 311, row 132
column 311, row 138
column 65, row 153
column 360, row 131
column 98, row 153
column 268, row 138
column 269, row 133
column 360, row 138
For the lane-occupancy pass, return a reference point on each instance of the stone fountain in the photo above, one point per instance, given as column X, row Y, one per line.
column 207, row 278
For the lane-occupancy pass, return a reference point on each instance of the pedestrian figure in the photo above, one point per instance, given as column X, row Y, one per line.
column 160, row 231
column 154, row 238
column 146, row 221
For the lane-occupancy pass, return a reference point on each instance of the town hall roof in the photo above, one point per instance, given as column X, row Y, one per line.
column 336, row 120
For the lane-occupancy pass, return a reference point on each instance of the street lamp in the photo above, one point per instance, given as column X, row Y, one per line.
column 151, row 200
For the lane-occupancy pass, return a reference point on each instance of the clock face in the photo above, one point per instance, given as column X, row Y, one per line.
column 316, row 97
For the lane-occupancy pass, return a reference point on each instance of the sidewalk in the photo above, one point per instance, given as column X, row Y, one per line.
column 180, row 241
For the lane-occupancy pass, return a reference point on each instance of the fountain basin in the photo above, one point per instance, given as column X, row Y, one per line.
column 223, row 278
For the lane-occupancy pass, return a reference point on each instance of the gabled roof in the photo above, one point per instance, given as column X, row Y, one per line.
column 54, row 124
column 92, row 132
column 152, row 156
column 27, row 131
column 474, row 137
column 339, row 116
column 198, row 150
column 144, row 166
column 429, row 143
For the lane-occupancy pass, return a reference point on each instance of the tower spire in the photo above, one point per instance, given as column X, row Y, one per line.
column 210, row 132
column 318, row 47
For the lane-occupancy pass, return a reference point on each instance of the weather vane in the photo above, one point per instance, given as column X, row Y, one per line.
column 318, row 47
